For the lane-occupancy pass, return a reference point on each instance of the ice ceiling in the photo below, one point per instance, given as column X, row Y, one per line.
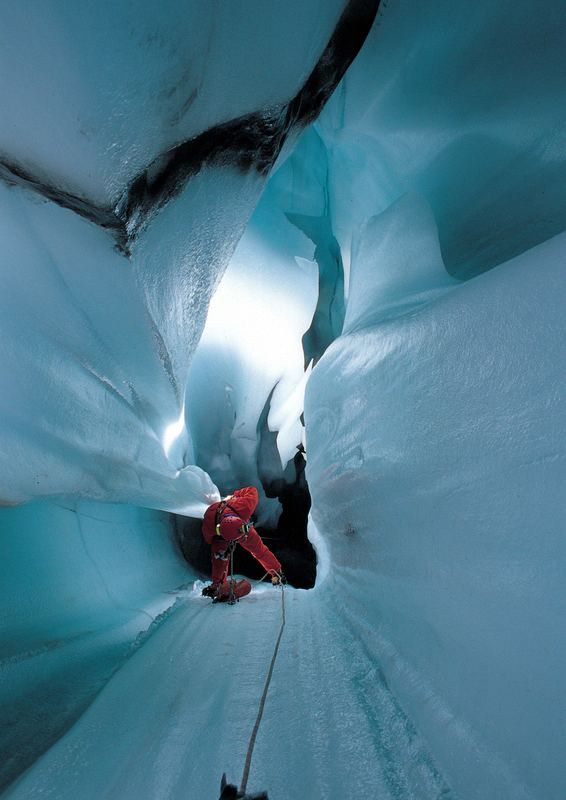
column 219, row 221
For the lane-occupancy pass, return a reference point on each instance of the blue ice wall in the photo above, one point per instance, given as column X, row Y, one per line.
column 109, row 259
column 80, row 582
column 437, row 466
column 68, row 563
column 434, row 423
column 464, row 104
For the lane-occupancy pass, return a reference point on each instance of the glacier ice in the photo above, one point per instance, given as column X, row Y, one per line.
column 190, row 731
column 79, row 583
column 463, row 108
column 164, row 286
column 237, row 370
column 159, row 249
column 125, row 85
column 436, row 469
column 385, row 279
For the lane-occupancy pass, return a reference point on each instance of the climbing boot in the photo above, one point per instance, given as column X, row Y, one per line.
column 231, row 593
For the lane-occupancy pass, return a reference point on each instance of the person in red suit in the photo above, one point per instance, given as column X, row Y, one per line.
column 229, row 521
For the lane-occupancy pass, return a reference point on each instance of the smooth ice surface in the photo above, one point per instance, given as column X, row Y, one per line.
column 463, row 104
column 88, row 560
column 79, row 584
column 437, row 469
column 386, row 278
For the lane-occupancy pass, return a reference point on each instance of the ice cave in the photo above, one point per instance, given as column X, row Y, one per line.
column 231, row 231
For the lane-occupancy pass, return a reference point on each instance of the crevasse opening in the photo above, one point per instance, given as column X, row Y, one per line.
column 229, row 230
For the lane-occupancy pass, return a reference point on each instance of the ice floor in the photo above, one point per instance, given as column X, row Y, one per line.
column 181, row 710
column 179, row 245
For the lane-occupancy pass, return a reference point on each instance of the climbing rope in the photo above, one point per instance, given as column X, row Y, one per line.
column 255, row 730
column 232, row 597
column 265, row 574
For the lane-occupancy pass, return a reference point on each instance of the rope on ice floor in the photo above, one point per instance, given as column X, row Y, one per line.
column 253, row 737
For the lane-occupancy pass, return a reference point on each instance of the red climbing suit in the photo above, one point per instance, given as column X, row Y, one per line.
column 236, row 511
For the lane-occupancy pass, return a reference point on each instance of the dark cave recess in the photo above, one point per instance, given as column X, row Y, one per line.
column 288, row 541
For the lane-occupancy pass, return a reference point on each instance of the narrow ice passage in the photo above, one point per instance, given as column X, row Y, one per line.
column 181, row 710
column 229, row 230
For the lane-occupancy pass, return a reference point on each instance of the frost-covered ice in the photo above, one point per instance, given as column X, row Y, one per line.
column 188, row 699
column 107, row 88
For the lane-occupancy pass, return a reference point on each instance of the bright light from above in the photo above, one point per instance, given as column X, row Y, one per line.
column 262, row 307
column 173, row 431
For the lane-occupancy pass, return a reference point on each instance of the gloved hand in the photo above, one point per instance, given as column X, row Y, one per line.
column 278, row 579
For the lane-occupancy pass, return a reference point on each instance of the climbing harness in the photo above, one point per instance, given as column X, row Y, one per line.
column 244, row 529
column 227, row 790
column 218, row 516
